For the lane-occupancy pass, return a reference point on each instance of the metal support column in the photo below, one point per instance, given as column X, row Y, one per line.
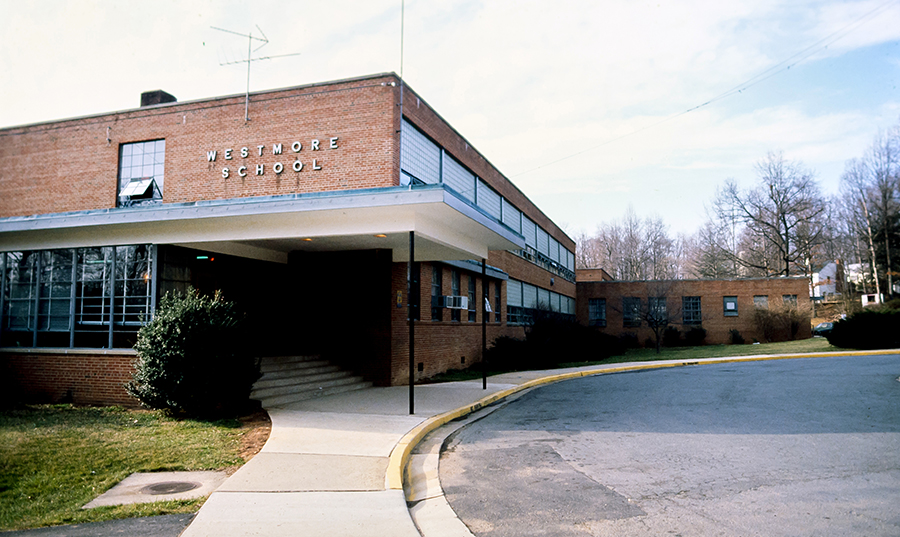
column 3, row 258
column 73, row 288
column 412, row 321
column 36, row 282
column 484, row 316
column 112, row 295
column 155, row 270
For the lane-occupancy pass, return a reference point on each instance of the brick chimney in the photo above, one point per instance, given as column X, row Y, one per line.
column 149, row 98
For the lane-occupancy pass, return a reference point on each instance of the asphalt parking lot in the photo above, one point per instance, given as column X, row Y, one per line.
column 783, row 447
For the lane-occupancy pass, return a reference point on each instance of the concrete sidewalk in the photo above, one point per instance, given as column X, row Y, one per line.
column 333, row 466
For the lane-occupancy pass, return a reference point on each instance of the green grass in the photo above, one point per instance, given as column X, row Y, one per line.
column 54, row 459
column 816, row 344
column 676, row 353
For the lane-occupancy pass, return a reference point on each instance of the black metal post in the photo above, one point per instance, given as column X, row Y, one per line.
column 73, row 295
column 412, row 321
column 36, row 281
column 112, row 296
column 2, row 291
column 484, row 315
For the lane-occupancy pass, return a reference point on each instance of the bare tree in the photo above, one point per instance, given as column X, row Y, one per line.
column 633, row 249
column 855, row 191
column 712, row 254
column 588, row 252
column 660, row 250
column 661, row 308
column 882, row 162
column 779, row 218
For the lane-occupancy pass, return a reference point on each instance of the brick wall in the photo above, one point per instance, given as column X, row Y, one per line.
column 441, row 345
column 711, row 293
column 70, row 166
column 91, row 377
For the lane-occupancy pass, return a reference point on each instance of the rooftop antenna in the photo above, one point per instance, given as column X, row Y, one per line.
column 250, row 50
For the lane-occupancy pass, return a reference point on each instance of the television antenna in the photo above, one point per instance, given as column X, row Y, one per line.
column 250, row 59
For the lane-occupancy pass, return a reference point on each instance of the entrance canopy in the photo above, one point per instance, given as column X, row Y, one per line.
column 267, row 228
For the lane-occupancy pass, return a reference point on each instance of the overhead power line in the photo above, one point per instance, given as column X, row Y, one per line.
column 779, row 67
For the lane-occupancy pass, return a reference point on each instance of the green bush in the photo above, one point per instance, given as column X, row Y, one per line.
column 550, row 340
column 695, row 337
column 868, row 329
column 628, row 340
column 781, row 323
column 736, row 337
column 672, row 337
column 193, row 358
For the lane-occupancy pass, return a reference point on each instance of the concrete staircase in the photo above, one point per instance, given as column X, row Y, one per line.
column 289, row 379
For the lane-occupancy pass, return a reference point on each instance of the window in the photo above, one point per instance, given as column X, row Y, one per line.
column 454, row 175
column 487, row 199
column 84, row 297
column 497, row 317
column 454, row 290
column 515, row 313
column 472, row 302
column 789, row 300
column 761, row 301
column 631, row 311
column 597, row 312
column 690, row 310
column 657, row 313
column 729, row 305
column 141, row 172
column 437, row 291
column 420, row 158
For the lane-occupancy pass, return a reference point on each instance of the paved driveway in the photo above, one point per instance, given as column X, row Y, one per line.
column 785, row 447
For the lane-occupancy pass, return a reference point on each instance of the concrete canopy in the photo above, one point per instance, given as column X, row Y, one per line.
column 267, row 228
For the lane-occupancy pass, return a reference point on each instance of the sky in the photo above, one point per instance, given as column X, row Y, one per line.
column 589, row 107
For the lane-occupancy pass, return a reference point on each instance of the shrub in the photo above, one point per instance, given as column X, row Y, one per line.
column 193, row 357
column 629, row 340
column 868, row 329
column 672, row 337
column 782, row 322
column 508, row 353
column 550, row 340
column 736, row 337
column 695, row 336
column 892, row 305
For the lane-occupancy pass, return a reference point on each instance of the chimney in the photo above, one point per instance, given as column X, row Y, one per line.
column 149, row 98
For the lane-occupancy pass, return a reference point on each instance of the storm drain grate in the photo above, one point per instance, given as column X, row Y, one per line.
column 169, row 487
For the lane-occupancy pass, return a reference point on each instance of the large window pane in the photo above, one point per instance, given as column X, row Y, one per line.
column 419, row 156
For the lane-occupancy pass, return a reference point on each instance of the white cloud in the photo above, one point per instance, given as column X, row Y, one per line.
column 527, row 82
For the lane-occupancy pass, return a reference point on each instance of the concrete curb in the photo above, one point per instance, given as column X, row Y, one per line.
column 400, row 454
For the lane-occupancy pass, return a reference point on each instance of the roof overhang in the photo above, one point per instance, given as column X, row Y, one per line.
column 446, row 227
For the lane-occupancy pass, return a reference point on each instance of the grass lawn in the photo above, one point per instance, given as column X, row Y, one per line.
column 817, row 344
column 56, row 458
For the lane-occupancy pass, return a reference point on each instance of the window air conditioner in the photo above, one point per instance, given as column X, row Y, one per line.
column 456, row 302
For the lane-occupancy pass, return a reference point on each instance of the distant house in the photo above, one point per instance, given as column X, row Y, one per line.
column 828, row 281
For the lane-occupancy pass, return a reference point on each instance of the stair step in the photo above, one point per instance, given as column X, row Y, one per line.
column 288, row 379
column 291, row 366
column 296, row 372
column 284, row 378
column 263, row 393
column 289, row 359
column 313, row 394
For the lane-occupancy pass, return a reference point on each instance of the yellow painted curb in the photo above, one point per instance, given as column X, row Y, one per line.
column 401, row 452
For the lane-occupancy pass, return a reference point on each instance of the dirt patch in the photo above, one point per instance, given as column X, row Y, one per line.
column 257, row 427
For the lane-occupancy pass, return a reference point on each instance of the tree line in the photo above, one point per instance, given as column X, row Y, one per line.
column 782, row 225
